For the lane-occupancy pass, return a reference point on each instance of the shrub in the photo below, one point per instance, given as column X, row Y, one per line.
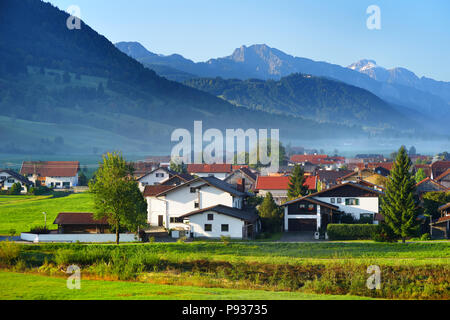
column 39, row 191
column 225, row 240
column 347, row 218
column 351, row 231
column 425, row 237
column 16, row 189
column 9, row 252
column 384, row 234
column 39, row 230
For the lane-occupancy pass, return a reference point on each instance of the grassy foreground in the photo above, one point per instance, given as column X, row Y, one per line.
column 24, row 212
column 408, row 271
column 16, row 286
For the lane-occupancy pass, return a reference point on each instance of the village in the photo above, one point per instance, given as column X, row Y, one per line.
column 242, row 202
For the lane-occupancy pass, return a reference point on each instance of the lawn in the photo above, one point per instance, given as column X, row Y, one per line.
column 24, row 212
column 16, row 286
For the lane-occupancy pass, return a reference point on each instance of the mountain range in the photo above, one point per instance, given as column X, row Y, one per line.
column 73, row 91
column 401, row 88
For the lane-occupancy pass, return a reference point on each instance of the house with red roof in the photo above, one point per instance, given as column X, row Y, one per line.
column 429, row 185
column 220, row 171
column 279, row 186
column 438, row 168
column 52, row 174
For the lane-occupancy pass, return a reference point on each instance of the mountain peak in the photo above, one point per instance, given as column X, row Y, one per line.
column 364, row 64
column 134, row 49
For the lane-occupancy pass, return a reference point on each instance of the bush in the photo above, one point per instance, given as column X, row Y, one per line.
column 9, row 252
column 39, row 191
column 39, row 230
column 385, row 234
column 347, row 218
column 16, row 189
column 352, row 231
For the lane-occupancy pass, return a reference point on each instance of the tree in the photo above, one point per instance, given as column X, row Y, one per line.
column 297, row 186
column 178, row 167
column 420, row 175
column 398, row 205
column 16, row 189
column 432, row 201
column 82, row 179
column 270, row 213
column 116, row 195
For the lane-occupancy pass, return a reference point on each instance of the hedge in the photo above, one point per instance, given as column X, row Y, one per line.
column 351, row 231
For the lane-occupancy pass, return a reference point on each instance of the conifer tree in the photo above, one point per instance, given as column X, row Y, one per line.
column 398, row 205
column 297, row 186
column 270, row 213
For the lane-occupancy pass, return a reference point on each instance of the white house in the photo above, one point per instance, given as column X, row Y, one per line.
column 220, row 171
column 53, row 174
column 220, row 220
column 317, row 210
column 168, row 206
column 155, row 177
column 8, row 178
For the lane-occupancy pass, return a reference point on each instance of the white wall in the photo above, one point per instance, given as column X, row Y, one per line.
column 181, row 201
column 277, row 195
column 198, row 221
column 124, row 237
column 73, row 181
column 366, row 205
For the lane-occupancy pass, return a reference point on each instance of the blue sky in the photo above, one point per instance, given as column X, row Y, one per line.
column 414, row 34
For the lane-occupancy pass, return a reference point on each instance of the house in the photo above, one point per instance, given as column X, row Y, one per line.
column 442, row 225
column 356, row 175
column 8, row 178
column 80, row 222
column 220, row 220
column 438, row 168
column 329, row 178
column 315, row 211
column 142, row 168
column 279, row 186
column 382, row 171
column 177, row 179
column 52, row 174
column 170, row 206
column 444, row 179
column 154, row 177
column 425, row 167
column 428, row 185
column 220, row 171
column 242, row 176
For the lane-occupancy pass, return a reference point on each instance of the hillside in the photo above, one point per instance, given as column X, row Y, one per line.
column 51, row 76
column 315, row 98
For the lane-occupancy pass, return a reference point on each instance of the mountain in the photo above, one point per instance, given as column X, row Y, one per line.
column 316, row 98
column 402, row 77
column 264, row 62
column 73, row 91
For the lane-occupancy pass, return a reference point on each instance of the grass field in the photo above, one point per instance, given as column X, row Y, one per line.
column 38, row 287
column 24, row 212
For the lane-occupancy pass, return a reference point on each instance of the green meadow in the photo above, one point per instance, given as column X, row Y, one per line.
column 38, row 287
column 21, row 213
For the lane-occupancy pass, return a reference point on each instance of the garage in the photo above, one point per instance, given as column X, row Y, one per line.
column 302, row 224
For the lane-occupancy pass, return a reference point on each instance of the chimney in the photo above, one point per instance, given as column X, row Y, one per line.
column 241, row 185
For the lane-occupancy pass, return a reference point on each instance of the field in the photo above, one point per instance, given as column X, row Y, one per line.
column 37, row 287
column 24, row 212
column 407, row 271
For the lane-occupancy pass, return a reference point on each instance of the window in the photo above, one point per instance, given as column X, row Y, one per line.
column 66, row 184
column 193, row 190
column 225, row 228
column 11, row 180
column 176, row 220
column 339, row 200
column 196, row 205
column 302, row 206
column 311, row 207
column 210, row 217
column 210, row 175
column 333, row 200
column 352, row 202
column 208, row 227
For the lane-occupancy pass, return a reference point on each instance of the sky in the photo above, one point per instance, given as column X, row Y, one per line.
column 414, row 34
